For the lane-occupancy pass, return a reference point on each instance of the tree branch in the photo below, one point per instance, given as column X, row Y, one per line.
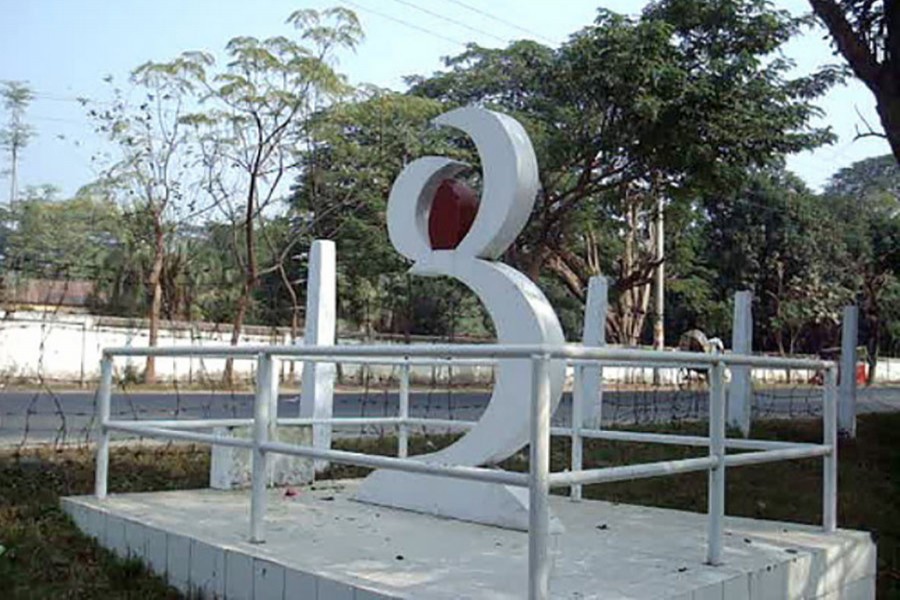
column 849, row 42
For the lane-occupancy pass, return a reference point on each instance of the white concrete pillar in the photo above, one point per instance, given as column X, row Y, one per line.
column 317, row 385
column 847, row 395
column 740, row 392
column 594, row 334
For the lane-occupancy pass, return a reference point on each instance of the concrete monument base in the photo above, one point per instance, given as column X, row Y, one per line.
column 323, row 545
column 230, row 467
column 473, row 501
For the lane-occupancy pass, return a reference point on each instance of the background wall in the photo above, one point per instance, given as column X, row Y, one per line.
column 37, row 346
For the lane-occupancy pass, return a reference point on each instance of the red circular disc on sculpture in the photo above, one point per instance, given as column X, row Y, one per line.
column 452, row 213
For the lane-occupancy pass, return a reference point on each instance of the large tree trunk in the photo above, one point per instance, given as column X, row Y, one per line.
column 532, row 263
column 872, row 345
column 155, row 283
column 889, row 95
column 574, row 282
column 631, row 315
column 881, row 78
column 889, row 112
column 627, row 321
column 872, row 313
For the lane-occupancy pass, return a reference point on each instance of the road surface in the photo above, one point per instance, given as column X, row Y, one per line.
column 41, row 416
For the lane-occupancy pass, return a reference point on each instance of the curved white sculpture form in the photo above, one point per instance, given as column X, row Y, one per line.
column 519, row 310
column 510, row 187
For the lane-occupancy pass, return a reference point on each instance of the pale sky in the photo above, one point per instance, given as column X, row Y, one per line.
column 63, row 49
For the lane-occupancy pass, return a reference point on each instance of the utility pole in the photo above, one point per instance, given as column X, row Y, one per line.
column 659, row 292
column 659, row 332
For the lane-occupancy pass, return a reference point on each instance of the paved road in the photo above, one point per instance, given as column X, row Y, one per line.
column 43, row 417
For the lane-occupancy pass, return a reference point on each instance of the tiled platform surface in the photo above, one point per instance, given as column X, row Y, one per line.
column 322, row 545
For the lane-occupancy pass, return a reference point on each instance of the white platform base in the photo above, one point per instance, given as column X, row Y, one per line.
column 323, row 545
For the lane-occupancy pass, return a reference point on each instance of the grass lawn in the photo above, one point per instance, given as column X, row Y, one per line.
column 44, row 556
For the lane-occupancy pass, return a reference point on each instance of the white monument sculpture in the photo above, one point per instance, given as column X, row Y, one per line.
column 519, row 310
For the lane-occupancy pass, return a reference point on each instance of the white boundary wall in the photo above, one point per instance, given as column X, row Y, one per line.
column 67, row 347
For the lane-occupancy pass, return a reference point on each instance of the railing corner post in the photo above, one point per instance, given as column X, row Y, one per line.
column 104, row 401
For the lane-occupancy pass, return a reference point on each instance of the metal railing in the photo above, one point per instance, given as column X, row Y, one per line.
column 538, row 479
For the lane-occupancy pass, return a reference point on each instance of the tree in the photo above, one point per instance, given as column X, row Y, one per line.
column 774, row 237
column 62, row 240
column 871, row 181
column 16, row 96
column 684, row 98
column 259, row 106
column 342, row 192
column 864, row 199
column 151, row 166
column 867, row 34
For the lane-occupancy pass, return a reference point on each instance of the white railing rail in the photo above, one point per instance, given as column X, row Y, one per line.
column 539, row 480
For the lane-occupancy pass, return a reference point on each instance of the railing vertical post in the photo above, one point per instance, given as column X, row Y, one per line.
column 104, row 399
column 262, row 416
column 830, row 463
column 403, row 432
column 539, row 481
column 577, row 423
column 716, row 485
